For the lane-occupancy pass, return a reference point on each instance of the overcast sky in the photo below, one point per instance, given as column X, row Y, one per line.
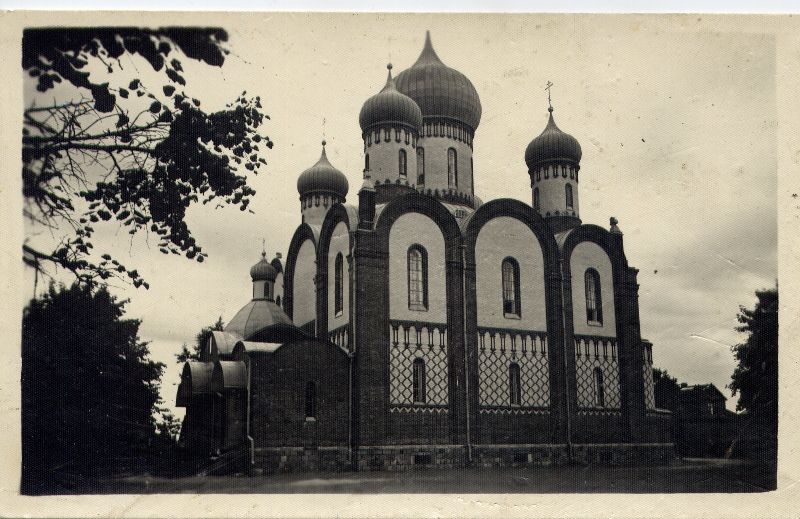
column 677, row 127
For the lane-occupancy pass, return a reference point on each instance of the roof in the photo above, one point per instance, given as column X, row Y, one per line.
column 439, row 90
column 195, row 380
column 389, row 106
column 322, row 177
column 552, row 144
column 229, row 374
column 222, row 343
column 254, row 317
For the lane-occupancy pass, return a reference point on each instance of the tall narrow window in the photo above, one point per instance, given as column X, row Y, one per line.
column 366, row 162
column 594, row 301
column 568, row 194
column 536, row 203
column 420, row 166
column 599, row 388
column 402, row 163
column 417, row 278
column 514, row 384
column 452, row 168
column 339, row 285
column 311, row 400
column 278, row 300
column 418, row 381
column 511, row 306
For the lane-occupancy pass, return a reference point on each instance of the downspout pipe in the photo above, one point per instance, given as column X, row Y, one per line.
column 462, row 248
column 250, row 442
column 567, row 351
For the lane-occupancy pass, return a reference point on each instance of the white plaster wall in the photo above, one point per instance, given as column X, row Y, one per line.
column 499, row 238
column 340, row 243
column 279, row 287
column 304, row 297
column 407, row 230
column 436, row 163
column 384, row 159
column 552, row 194
column 590, row 255
column 315, row 210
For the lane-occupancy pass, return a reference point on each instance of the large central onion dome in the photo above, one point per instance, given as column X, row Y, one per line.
column 390, row 107
column 439, row 90
column 552, row 145
column 322, row 178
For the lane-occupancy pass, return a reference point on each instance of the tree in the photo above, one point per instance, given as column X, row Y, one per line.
column 134, row 151
column 200, row 340
column 89, row 389
column 755, row 378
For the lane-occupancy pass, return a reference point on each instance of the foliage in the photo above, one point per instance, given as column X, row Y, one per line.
column 755, row 378
column 128, row 153
column 200, row 340
column 89, row 389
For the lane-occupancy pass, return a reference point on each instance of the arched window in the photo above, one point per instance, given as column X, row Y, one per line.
column 599, row 388
column 514, row 384
column 311, row 400
column 594, row 301
column 510, row 270
column 402, row 163
column 418, row 381
column 420, row 166
column 366, row 162
column 536, row 202
column 452, row 168
column 568, row 193
column 417, row 278
column 339, row 285
column 278, row 300
column 387, row 135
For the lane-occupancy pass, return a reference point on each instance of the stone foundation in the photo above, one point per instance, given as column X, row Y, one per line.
column 407, row 457
column 270, row 460
column 519, row 455
column 414, row 457
column 624, row 453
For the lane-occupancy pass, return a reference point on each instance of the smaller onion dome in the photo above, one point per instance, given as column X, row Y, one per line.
column 552, row 144
column 263, row 270
column 322, row 177
column 389, row 106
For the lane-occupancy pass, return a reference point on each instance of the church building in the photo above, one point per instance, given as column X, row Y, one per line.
column 424, row 326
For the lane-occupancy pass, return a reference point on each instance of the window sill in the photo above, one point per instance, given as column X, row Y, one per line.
column 338, row 314
column 512, row 316
column 594, row 323
column 310, row 419
column 418, row 308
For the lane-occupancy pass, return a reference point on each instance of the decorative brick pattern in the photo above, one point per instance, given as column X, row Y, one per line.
column 596, row 352
column 410, row 341
column 497, row 349
column 647, row 376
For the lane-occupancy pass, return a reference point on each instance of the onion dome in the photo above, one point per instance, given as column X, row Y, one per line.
column 322, row 177
column 389, row 107
column 552, row 144
column 263, row 270
column 439, row 90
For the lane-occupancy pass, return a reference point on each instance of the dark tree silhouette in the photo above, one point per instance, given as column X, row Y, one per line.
column 666, row 389
column 89, row 390
column 200, row 340
column 755, row 378
column 129, row 152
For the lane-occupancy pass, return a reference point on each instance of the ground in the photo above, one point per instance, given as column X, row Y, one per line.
column 688, row 475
